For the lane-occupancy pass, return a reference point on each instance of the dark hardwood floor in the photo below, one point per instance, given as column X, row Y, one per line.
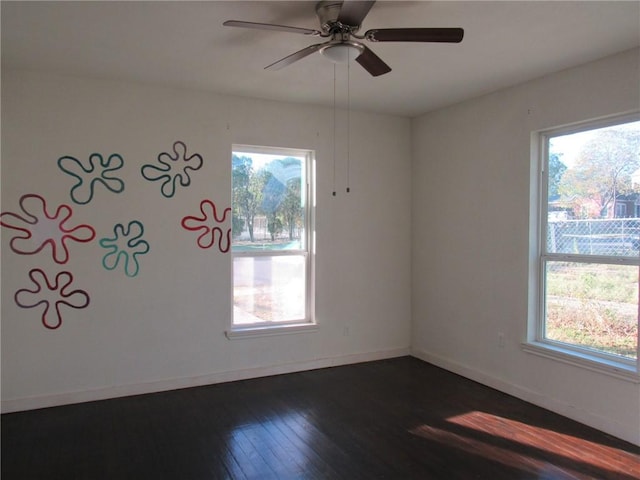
column 392, row 419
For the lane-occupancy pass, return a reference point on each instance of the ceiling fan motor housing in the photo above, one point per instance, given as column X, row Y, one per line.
column 328, row 12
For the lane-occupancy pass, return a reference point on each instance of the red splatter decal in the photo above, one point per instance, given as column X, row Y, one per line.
column 209, row 225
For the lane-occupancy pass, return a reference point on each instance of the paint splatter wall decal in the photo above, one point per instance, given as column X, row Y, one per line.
column 37, row 228
column 125, row 245
column 97, row 172
column 210, row 226
column 173, row 170
column 51, row 294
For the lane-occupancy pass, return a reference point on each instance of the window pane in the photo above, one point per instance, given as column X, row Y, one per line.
column 593, row 191
column 593, row 306
column 268, row 202
column 268, row 289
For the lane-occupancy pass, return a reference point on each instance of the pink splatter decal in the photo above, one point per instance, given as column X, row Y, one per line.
column 38, row 228
column 209, row 225
column 51, row 294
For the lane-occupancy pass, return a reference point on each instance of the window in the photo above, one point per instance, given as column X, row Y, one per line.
column 587, row 266
column 271, row 227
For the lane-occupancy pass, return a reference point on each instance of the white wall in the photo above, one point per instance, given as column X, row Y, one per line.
column 165, row 327
column 471, row 183
column 467, row 273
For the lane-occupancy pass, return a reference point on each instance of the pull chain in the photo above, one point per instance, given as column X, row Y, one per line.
column 334, row 129
column 348, row 120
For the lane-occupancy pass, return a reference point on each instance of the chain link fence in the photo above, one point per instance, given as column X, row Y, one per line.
column 618, row 237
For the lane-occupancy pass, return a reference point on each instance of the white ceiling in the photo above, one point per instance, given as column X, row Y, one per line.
column 183, row 44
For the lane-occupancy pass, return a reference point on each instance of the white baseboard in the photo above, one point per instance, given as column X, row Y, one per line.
column 624, row 432
column 44, row 401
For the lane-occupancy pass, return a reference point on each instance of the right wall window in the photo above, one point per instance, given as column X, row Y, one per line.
column 588, row 262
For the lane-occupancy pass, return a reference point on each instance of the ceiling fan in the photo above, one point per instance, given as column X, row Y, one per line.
column 340, row 21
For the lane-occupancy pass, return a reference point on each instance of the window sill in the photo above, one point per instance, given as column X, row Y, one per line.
column 594, row 363
column 270, row 330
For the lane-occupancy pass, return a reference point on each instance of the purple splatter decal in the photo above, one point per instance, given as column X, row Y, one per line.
column 51, row 294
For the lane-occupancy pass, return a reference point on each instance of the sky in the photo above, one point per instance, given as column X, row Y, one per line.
column 570, row 145
column 261, row 159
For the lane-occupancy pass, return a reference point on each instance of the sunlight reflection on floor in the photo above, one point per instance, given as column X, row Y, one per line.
column 268, row 444
column 498, row 439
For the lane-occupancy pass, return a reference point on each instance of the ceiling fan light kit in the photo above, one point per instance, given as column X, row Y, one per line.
column 342, row 52
column 340, row 21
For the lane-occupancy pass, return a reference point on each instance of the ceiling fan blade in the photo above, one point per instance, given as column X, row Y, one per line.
column 270, row 26
column 353, row 11
column 447, row 35
column 294, row 57
column 372, row 63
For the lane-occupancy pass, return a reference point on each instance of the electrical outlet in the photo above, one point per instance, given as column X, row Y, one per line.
column 500, row 339
column 345, row 331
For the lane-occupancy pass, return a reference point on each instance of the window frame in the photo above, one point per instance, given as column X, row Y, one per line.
column 536, row 343
column 308, row 252
column 620, row 210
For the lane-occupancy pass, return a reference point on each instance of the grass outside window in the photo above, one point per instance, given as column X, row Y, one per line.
column 594, row 306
